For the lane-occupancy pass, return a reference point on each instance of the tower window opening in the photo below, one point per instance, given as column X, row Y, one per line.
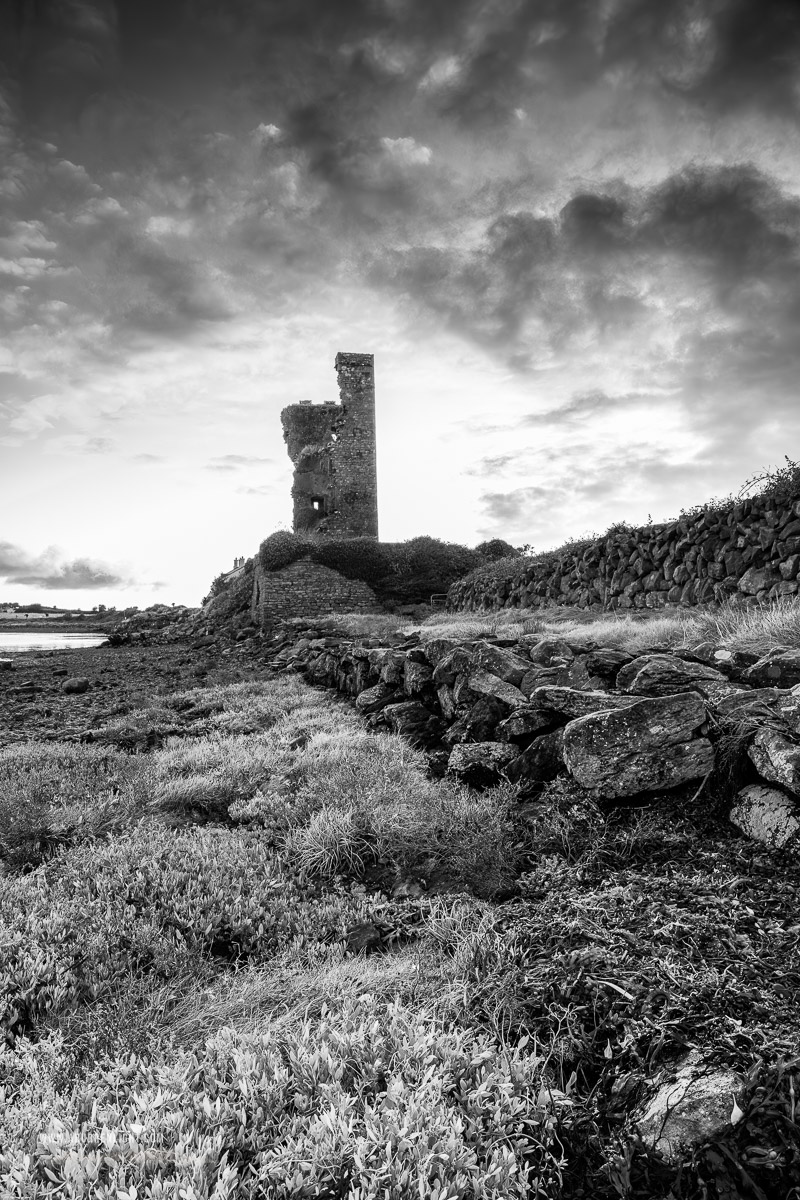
column 318, row 503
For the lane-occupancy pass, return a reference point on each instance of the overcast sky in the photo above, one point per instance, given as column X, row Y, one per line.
column 568, row 230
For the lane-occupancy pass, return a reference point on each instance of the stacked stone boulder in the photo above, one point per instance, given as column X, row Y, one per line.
column 527, row 710
column 749, row 552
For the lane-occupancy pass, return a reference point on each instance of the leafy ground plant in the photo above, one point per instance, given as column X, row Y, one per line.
column 371, row 1100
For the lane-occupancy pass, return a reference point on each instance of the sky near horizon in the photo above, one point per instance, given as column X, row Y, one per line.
column 568, row 230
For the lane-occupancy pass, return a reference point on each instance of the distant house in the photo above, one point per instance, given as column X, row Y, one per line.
column 236, row 570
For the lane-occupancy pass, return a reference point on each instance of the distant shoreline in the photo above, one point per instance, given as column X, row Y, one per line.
column 74, row 626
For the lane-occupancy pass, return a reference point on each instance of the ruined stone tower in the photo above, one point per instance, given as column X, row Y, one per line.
column 332, row 446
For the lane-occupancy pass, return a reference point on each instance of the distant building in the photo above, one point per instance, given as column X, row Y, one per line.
column 236, row 570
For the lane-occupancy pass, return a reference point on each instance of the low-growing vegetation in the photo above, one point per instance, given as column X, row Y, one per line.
column 249, row 950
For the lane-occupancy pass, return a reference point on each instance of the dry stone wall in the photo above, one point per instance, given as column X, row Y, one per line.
column 620, row 726
column 306, row 589
column 749, row 552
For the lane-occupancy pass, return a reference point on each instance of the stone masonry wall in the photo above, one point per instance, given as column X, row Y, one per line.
column 305, row 589
column 749, row 552
column 619, row 725
column 335, row 486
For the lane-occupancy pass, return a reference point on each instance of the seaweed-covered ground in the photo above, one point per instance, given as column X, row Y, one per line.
column 249, row 950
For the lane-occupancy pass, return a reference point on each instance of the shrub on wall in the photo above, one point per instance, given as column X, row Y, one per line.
column 496, row 548
column 281, row 549
column 356, row 558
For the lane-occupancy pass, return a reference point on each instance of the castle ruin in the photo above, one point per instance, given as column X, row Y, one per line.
column 332, row 446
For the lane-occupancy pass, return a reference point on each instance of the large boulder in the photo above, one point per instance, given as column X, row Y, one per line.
column 693, row 1104
column 541, row 761
column 743, row 703
column 664, row 675
column 766, row 815
column 413, row 721
column 75, row 686
column 498, row 661
column 416, row 677
column 373, row 699
column 482, row 683
column 776, row 758
column 580, row 675
column 458, row 661
column 780, row 669
column 557, row 676
column 436, row 648
column 6, row 664
column 477, row 723
column 524, row 722
column 757, row 579
column 393, row 669
column 647, row 746
column 607, row 662
column 480, row 764
column 551, row 652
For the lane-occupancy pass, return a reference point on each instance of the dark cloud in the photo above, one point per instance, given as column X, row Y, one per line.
column 713, row 250
column 728, row 54
column 52, row 572
column 508, row 509
column 492, row 465
column 584, row 405
column 61, row 51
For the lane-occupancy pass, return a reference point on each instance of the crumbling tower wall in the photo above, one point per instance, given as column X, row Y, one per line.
column 332, row 446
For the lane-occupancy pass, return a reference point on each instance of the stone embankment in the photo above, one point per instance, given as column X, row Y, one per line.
column 621, row 726
column 749, row 552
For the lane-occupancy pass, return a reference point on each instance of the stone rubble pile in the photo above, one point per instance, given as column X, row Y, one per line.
column 749, row 552
column 529, row 709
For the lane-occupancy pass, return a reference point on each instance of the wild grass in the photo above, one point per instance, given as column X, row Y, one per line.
column 732, row 627
column 282, row 993
column 469, row 626
column 758, row 629
column 348, row 798
column 54, row 794
column 358, row 624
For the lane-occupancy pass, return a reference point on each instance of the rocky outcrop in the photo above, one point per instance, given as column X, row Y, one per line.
column 776, row 758
column 620, row 725
column 693, row 1104
column 481, row 763
column 767, row 815
column 749, row 552
column 648, row 746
